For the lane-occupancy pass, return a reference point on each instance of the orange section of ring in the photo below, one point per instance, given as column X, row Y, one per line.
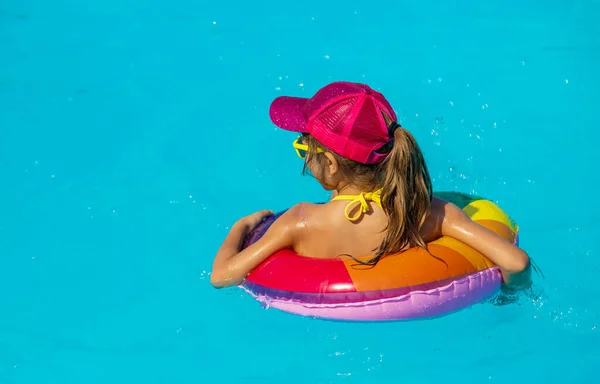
column 415, row 266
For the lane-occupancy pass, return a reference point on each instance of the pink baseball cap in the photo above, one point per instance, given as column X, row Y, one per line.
column 345, row 117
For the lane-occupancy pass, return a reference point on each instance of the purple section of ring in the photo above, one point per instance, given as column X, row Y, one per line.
column 416, row 304
column 342, row 297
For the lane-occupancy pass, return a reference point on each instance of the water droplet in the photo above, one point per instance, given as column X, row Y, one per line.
column 214, row 23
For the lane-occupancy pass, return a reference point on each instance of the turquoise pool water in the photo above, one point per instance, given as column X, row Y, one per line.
column 132, row 134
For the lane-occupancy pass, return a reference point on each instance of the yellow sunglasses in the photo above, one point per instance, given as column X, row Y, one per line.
column 301, row 149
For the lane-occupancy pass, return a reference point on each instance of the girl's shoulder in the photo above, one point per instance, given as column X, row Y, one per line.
column 441, row 214
column 315, row 214
column 301, row 213
column 303, row 209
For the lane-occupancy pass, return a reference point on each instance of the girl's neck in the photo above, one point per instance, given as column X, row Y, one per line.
column 353, row 189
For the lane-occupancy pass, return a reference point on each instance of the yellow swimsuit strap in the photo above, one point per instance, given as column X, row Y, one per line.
column 362, row 199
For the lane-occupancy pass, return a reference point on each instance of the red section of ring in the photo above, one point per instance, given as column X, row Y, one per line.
column 287, row 271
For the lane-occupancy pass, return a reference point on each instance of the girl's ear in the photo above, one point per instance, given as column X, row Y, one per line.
column 333, row 166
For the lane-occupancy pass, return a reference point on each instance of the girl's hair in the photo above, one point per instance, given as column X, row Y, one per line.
column 407, row 191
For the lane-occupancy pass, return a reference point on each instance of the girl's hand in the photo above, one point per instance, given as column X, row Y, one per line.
column 252, row 220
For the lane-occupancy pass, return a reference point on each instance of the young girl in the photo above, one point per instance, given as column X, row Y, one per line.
column 382, row 201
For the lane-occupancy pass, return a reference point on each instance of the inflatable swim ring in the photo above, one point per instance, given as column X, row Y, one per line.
column 404, row 286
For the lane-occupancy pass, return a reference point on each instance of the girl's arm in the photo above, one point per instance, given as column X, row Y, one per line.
column 512, row 261
column 231, row 266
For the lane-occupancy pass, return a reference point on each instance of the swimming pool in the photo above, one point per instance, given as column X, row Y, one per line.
column 132, row 134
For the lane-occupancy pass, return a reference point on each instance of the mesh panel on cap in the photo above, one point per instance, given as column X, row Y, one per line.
column 336, row 116
column 367, row 126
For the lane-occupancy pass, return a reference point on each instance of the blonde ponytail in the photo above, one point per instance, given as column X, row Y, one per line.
column 407, row 194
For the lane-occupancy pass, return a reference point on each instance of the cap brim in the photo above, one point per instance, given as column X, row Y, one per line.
column 286, row 113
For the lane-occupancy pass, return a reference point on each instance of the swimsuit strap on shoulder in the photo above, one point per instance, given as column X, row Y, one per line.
column 361, row 199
